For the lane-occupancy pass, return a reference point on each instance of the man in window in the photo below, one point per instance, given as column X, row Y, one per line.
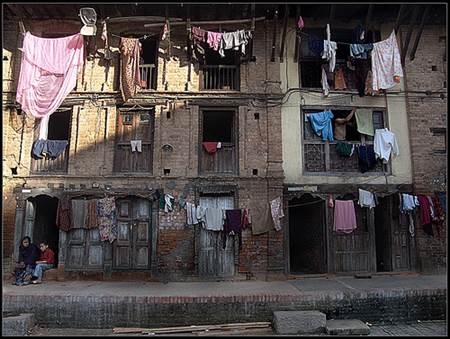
column 340, row 125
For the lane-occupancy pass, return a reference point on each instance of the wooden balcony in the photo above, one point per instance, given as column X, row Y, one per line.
column 224, row 161
column 48, row 165
column 148, row 76
column 220, row 77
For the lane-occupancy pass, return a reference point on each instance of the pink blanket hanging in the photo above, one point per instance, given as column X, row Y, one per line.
column 48, row 72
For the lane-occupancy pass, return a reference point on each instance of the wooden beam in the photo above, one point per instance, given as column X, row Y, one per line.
column 274, row 37
column 416, row 42
column 410, row 30
column 368, row 16
column 297, row 15
column 399, row 17
column 283, row 38
column 223, row 22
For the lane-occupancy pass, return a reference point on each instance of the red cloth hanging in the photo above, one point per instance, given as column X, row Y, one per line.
column 210, row 147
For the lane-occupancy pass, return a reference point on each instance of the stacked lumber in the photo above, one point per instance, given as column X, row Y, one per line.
column 201, row 330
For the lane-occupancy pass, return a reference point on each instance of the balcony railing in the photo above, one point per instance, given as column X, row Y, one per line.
column 48, row 165
column 148, row 76
column 223, row 161
column 220, row 77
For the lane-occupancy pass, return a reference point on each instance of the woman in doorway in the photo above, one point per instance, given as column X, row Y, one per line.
column 46, row 262
column 28, row 255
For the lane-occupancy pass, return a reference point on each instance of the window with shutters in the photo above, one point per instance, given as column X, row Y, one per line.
column 321, row 157
column 134, row 141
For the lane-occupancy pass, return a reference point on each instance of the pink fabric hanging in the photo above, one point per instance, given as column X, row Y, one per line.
column 48, row 72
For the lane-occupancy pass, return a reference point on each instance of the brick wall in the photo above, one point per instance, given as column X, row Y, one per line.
column 428, row 72
column 93, row 129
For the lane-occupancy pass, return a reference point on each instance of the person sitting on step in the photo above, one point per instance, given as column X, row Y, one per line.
column 46, row 262
column 28, row 254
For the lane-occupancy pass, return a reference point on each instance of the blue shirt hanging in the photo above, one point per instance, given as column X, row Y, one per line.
column 321, row 124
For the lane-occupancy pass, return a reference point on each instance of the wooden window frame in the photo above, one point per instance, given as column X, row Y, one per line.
column 304, row 110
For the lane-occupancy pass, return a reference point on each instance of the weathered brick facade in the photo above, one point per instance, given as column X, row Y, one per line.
column 92, row 142
column 428, row 133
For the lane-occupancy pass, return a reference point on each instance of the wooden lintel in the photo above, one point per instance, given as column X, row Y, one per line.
column 419, row 34
column 399, row 17
column 283, row 38
column 408, row 36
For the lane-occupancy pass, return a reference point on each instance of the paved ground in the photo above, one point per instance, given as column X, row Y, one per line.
column 435, row 328
column 232, row 288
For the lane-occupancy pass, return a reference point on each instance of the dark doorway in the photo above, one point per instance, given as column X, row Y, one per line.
column 307, row 243
column 44, row 223
column 382, row 236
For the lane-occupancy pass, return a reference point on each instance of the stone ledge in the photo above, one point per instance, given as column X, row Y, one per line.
column 347, row 327
column 17, row 325
column 299, row 322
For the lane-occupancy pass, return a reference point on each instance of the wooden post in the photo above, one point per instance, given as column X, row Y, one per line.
column 283, row 39
column 408, row 36
column 188, row 44
column 399, row 17
column 416, row 42
column 274, row 37
column 368, row 16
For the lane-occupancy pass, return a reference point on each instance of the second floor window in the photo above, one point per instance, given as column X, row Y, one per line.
column 326, row 157
column 134, row 141
column 148, row 64
column 220, row 73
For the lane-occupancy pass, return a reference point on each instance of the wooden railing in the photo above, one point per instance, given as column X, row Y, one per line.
column 220, row 77
column 48, row 165
column 223, row 161
column 148, row 76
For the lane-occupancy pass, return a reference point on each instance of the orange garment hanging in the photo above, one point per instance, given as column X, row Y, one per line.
column 339, row 80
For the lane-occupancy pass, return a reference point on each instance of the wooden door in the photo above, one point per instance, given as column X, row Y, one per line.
column 214, row 260
column 132, row 247
column 352, row 251
column 399, row 240
column 84, row 246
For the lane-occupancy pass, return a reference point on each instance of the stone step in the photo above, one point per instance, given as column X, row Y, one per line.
column 299, row 322
column 347, row 327
column 17, row 325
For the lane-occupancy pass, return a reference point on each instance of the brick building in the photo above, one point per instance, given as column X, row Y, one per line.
column 314, row 170
column 181, row 105
column 257, row 104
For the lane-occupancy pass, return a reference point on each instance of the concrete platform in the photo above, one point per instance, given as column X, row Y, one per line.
column 93, row 304
column 299, row 322
column 347, row 327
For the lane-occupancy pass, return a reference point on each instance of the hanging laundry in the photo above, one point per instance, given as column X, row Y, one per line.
column 165, row 32
column 344, row 150
column 403, row 216
column 246, row 218
column 386, row 63
column 261, row 217
column 104, row 37
column 233, row 221
column 385, row 142
column 201, row 215
column 211, row 147
column 182, row 202
column 91, row 218
column 358, row 36
column 368, row 90
column 214, row 40
column 169, row 203
column 325, row 86
column 410, row 202
column 50, row 148
column 276, row 209
column 366, row 158
column 344, row 216
column 136, row 145
column 366, row 199
column 198, row 34
column 364, row 121
column 425, row 215
column 64, row 214
column 329, row 50
column 300, row 23
column 360, row 51
column 432, row 214
column 234, row 40
column 361, row 70
column 339, row 80
column 439, row 219
column 443, row 198
column 43, row 127
column 321, row 124
column 191, row 214
column 130, row 75
column 214, row 219
column 48, row 72
column 107, row 218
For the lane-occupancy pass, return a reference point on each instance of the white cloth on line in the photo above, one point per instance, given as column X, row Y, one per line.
column 366, row 199
column 384, row 143
column 43, row 127
column 214, row 219
column 325, row 86
column 201, row 215
column 191, row 214
column 168, row 205
column 136, row 145
column 410, row 202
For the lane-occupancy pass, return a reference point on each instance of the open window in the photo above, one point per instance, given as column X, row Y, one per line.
column 58, row 129
column 220, row 73
column 218, row 126
column 310, row 65
column 323, row 157
column 148, row 64
column 134, row 141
